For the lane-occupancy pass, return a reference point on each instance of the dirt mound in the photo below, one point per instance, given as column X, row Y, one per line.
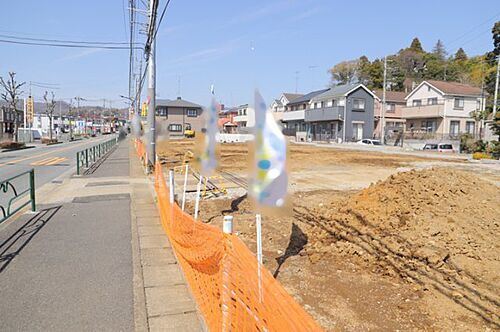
column 437, row 228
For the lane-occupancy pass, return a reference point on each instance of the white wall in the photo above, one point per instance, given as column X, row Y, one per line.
column 470, row 105
column 423, row 93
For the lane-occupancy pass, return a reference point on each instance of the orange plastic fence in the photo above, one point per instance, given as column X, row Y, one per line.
column 224, row 275
column 141, row 150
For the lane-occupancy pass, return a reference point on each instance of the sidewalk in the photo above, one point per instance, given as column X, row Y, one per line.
column 82, row 262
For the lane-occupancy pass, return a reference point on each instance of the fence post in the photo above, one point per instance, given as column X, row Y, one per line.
column 32, row 190
column 227, row 228
column 77, row 163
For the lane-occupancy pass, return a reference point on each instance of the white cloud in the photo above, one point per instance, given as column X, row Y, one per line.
column 80, row 54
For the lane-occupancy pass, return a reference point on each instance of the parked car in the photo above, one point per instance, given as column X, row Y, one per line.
column 439, row 147
column 369, row 142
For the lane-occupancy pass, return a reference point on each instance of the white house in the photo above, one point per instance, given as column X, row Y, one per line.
column 442, row 108
column 245, row 117
column 278, row 106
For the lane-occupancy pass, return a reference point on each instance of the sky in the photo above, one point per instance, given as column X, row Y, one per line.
column 273, row 45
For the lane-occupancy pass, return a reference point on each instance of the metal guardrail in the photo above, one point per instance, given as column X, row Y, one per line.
column 7, row 185
column 88, row 157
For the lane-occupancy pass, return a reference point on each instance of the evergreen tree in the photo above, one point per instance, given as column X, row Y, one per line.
column 460, row 55
column 439, row 50
column 416, row 46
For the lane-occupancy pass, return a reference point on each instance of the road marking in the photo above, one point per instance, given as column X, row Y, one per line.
column 48, row 161
column 13, row 162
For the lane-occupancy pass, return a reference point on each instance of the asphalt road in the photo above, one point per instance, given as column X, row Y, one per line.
column 48, row 161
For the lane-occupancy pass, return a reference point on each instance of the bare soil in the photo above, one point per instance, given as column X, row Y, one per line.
column 415, row 250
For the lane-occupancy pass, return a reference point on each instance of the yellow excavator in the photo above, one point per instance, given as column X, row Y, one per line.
column 189, row 131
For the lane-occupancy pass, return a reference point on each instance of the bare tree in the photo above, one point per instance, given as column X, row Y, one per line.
column 12, row 92
column 50, row 106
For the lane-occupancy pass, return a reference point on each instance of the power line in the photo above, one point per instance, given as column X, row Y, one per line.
column 69, row 45
column 161, row 18
column 64, row 41
column 474, row 28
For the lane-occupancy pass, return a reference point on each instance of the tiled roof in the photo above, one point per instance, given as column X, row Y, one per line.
column 394, row 96
column 306, row 97
column 455, row 88
column 176, row 103
column 291, row 96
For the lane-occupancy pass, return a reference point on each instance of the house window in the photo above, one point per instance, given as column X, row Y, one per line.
column 454, row 128
column 458, row 103
column 417, row 102
column 432, row 101
column 334, row 102
column 470, row 127
column 315, row 105
column 390, row 107
column 192, row 112
column 175, row 127
column 478, row 105
column 162, row 111
column 429, row 126
column 358, row 104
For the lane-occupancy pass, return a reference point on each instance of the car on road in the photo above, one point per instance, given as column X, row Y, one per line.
column 439, row 147
column 371, row 142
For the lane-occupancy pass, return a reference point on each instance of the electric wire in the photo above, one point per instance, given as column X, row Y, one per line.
column 69, row 45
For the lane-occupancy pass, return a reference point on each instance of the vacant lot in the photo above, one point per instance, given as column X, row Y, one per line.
column 370, row 243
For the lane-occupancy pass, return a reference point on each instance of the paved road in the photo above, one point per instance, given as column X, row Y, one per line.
column 48, row 161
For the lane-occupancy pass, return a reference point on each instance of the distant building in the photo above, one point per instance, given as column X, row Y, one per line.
column 343, row 113
column 175, row 116
column 226, row 120
column 278, row 106
column 245, row 118
column 442, row 109
column 394, row 103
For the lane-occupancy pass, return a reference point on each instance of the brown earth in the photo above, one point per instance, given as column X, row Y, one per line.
column 234, row 157
column 416, row 251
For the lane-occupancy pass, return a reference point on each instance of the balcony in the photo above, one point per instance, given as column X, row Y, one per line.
column 424, row 111
column 325, row 114
column 293, row 115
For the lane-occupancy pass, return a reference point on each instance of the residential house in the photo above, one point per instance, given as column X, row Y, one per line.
column 278, row 106
column 342, row 113
column 175, row 116
column 245, row 118
column 7, row 123
column 394, row 103
column 442, row 109
column 294, row 115
column 226, row 120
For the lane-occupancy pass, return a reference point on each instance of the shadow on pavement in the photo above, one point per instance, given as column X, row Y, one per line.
column 13, row 245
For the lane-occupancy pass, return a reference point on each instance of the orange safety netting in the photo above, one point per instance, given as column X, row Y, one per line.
column 141, row 150
column 231, row 290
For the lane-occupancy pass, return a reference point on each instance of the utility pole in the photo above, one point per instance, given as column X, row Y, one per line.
column 151, row 148
column 382, row 111
column 495, row 98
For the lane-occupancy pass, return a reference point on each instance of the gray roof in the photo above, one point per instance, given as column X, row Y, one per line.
column 336, row 91
column 306, row 97
column 176, row 103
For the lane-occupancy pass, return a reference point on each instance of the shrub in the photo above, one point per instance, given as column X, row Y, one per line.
column 494, row 149
column 481, row 155
column 46, row 140
column 12, row 145
column 466, row 142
